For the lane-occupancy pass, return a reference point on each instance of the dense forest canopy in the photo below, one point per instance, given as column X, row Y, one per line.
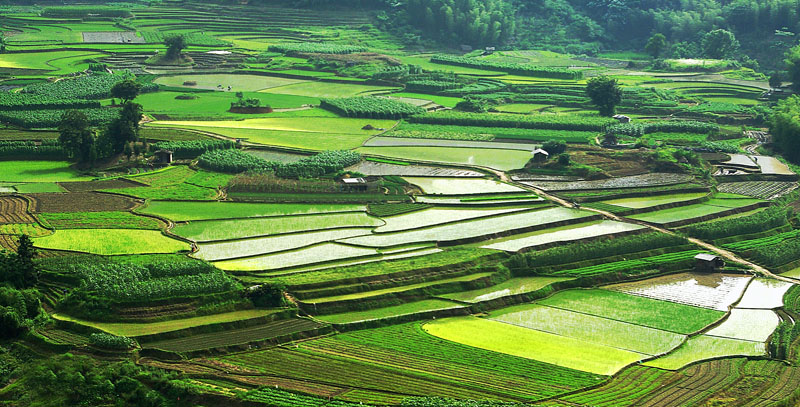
column 764, row 28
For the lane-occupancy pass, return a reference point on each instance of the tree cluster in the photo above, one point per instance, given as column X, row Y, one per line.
column 86, row 144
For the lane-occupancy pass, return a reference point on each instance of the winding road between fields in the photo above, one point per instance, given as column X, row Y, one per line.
column 730, row 256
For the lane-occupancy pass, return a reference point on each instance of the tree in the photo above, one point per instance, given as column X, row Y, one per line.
column 126, row 90
column 554, row 147
column 785, row 127
column 793, row 66
column 175, row 44
column 605, row 93
column 775, row 80
column 26, row 269
column 719, row 44
column 125, row 128
column 656, row 44
column 75, row 136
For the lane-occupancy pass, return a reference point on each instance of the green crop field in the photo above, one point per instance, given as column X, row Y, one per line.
column 189, row 211
column 706, row 347
column 516, row 243
column 111, row 241
column 470, row 229
column 398, row 310
column 513, row 286
column 665, row 315
column 39, row 171
column 139, row 329
column 493, row 158
column 528, row 343
column 244, row 228
column 601, row 331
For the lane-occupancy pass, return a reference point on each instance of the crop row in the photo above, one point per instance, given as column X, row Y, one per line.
column 779, row 254
column 236, row 336
column 764, row 241
column 635, row 264
column 274, row 397
column 52, row 117
column 510, row 67
column 547, row 122
column 47, row 149
column 236, row 161
column 141, row 282
column 193, row 148
column 315, row 48
column 411, row 339
column 454, row 132
column 630, row 385
column 491, row 381
column 664, row 126
column 85, row 11
column 767, row 219
column 306, row 366
column 575, row 252
column 758, row 189
column 157, row 37
column 371, row 107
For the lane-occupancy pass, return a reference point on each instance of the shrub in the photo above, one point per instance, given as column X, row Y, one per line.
column 194, row 148
column 108, row 341
column 371, row 107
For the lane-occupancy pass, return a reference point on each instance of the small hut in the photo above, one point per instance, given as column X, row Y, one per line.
column 355, row 184
column 163, row 156
column 540, row 155
column 622, row 118
column 708, row 263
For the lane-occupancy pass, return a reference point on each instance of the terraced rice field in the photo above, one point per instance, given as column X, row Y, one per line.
column 212, row 230
column 111, row 241
column 759, row 189
column 321, row 133
column 459, row 186
column 440, row 367
column 706, row 347
column 409, row 287
column 755, row 325
column 39, row 171
column 188, row 211
column 238, row 83
column 532, row 344
column 690, row 212
column 472, row 229
column 133, row 329
column 712, row 291
column 499, row 159
column 597, row 330
column 665, row 315
column 224, row 250
column 648, row 201
column 378, row 168
column 388, row 312
column 327, row 89
column 234, row 337
column 513, row 286
column 771, row 165
column 436, row 216
column 764, row 293
column 325, row 252
column 635, row 181
column 516, row 243
column 381, row 141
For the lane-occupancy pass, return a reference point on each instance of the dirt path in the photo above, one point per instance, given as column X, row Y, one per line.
column 730, row 256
